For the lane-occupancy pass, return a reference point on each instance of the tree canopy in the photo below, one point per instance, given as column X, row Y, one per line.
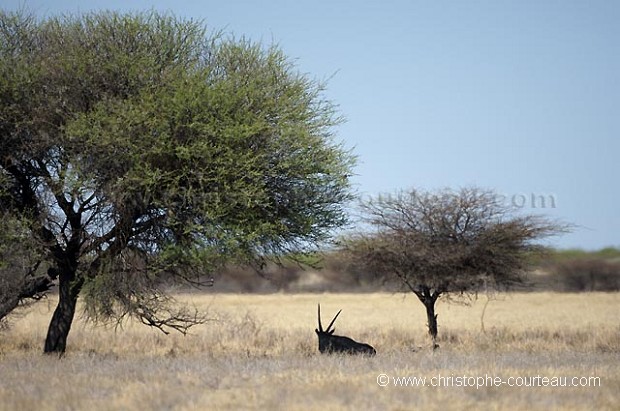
column 140, row 146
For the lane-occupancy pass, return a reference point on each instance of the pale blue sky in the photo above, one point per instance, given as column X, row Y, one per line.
column 519, row 96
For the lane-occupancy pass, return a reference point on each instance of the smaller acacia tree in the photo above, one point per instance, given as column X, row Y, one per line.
column 447, row 242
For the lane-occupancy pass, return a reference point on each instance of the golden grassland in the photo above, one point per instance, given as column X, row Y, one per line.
column 260, row 352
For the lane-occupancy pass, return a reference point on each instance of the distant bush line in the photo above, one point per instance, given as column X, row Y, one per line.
column 561, row 271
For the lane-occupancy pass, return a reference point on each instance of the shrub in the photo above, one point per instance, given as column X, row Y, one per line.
column 588, row 275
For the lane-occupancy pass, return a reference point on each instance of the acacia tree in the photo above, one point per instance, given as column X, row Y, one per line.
column 140, row 147
column 447, row 242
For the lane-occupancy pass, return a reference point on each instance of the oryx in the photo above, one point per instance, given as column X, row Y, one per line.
column 330, row 343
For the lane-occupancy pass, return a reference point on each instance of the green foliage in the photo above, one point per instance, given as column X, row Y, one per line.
column 608, row 253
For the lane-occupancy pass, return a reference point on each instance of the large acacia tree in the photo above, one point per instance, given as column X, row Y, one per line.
column 140, row 147
column 447, row 243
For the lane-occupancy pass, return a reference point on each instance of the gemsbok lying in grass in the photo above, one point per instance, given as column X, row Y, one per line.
column 330, row 343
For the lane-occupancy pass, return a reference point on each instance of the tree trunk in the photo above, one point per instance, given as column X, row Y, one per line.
column 428, row 298
column 431, row 317
column 69, row 289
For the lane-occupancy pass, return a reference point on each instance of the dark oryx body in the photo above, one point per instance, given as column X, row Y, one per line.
column 330, row 343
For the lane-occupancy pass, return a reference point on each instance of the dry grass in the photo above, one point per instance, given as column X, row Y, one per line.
column 260, row 352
